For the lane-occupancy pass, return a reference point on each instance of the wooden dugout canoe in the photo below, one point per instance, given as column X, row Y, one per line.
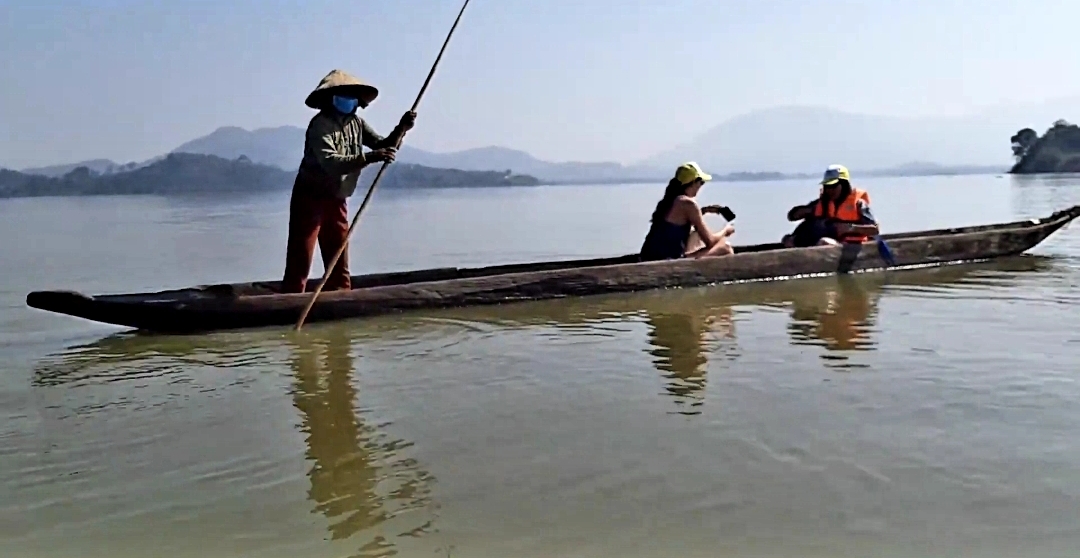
column 260, row 304
column 131, row 352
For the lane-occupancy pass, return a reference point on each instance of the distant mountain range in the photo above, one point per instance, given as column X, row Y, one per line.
column 793, row 141
column 100, row 166
column 283, row 146
column 804, row 139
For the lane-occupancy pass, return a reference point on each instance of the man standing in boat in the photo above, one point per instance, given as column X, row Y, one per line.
column 328, row 174
column 841, row 214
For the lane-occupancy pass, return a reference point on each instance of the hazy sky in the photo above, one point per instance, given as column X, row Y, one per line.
column 562, row 79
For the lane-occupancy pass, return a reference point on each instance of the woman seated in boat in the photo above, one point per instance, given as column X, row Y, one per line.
column 678, row 227
column 841, row 214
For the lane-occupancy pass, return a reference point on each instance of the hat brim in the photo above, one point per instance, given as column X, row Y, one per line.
column 321, row 98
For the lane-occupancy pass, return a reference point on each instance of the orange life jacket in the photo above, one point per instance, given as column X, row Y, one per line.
column 847, row 212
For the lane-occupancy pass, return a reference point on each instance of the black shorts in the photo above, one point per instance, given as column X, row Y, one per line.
column 810, row 232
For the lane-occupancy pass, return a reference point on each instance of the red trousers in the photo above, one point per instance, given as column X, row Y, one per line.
column 315, row 217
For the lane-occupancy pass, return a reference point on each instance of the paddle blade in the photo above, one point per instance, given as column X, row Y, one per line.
column 885, row 252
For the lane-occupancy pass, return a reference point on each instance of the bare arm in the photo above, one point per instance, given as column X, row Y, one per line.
column 692, row 212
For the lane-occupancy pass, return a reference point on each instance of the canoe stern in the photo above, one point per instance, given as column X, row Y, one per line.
column 101, row 309
column 62, row 302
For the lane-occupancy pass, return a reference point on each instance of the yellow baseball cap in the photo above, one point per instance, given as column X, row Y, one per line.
column 689, row 171
column 834, row 173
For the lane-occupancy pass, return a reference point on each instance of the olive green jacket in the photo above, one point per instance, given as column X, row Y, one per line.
column 333, row 152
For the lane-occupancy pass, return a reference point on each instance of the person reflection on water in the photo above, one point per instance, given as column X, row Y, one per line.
column 678, row 227
column 359, row 477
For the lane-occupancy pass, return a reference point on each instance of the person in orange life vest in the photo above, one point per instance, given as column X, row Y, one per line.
column 328, row 175
column 840, row 214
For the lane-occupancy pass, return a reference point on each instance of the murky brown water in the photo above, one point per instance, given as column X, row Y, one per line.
column 918, row 413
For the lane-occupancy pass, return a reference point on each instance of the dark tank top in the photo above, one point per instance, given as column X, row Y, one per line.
column 665, row 241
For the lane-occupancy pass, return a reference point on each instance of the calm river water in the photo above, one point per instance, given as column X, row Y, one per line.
column 918, row 413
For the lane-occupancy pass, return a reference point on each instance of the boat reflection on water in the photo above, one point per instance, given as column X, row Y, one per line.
column 353, row 462
column 686, row 328
column 373, row 495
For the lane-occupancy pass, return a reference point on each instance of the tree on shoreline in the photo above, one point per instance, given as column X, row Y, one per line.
column 1056, row 151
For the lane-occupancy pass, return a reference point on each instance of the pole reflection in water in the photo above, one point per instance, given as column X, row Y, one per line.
column 359, row 479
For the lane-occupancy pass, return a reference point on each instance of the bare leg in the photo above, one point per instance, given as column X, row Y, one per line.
column 695, row 247
column 694, row 242
column 721, row 248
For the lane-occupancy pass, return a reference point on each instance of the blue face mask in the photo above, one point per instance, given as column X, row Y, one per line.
column 346, row 105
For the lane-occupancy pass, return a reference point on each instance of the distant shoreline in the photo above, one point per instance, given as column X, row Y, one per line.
column 264, row 186
column 181, row 174
column 778, row 177
column 202, row 175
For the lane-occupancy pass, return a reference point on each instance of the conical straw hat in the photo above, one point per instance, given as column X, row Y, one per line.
column 338, row 82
